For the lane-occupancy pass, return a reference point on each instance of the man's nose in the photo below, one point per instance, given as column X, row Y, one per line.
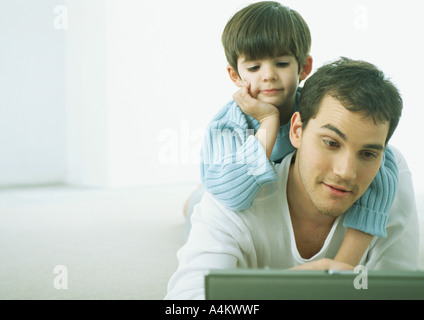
column 345, row 166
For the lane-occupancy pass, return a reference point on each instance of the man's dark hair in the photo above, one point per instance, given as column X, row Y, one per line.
column 359, row 86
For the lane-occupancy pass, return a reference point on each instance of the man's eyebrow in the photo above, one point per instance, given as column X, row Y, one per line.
column 337, row 131
column 378, row 147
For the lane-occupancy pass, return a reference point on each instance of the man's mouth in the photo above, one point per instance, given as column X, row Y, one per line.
column 337, row 191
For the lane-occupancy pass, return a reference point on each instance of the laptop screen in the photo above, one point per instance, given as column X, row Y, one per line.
column 273, row 284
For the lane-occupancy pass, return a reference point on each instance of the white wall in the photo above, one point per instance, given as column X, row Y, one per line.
column 143, row 78
column 32, row 94
column 166, row 79
column 167, row 74
column 386, row 33
column 86, row 95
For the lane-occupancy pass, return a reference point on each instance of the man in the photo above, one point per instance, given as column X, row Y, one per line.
column 347, row 113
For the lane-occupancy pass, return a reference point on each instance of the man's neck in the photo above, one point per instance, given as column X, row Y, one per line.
column 310, row 226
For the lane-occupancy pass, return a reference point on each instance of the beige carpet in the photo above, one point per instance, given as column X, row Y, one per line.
column 114, row 244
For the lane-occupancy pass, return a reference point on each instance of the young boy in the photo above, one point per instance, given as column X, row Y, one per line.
column 267, row 46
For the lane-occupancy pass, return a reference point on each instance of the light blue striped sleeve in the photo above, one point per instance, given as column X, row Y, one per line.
column 233, row 162
column 370, row 212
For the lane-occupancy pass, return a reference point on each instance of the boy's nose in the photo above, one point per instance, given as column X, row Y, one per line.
column 269, row 74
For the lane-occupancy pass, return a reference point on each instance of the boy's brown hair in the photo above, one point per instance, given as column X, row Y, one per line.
column 264, row 30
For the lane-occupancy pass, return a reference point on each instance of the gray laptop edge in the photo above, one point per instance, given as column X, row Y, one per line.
column 274, row 284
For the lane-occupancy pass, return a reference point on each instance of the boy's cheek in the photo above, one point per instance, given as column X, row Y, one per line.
column 254, row 92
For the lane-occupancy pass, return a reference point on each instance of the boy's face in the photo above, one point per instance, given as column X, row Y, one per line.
column 338, row 155
column 273, row 80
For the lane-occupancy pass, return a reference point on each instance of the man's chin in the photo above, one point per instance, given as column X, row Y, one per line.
column 332, row 212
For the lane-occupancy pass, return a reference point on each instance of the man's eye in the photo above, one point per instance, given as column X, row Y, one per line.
column 368, row 155
column 330, row 143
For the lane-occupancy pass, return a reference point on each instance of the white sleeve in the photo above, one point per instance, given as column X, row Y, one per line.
column 218, row 240
column 400, row 249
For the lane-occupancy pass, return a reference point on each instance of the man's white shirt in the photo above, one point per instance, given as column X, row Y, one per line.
column 262, row 236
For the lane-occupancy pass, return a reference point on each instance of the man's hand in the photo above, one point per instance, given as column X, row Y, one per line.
column 261, row 111
column 324, row 264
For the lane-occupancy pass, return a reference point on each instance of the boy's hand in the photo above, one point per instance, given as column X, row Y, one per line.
column 253, row 107
column 267, row 114
column 324, row 264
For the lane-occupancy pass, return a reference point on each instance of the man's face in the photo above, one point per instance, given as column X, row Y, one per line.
column 339, row 153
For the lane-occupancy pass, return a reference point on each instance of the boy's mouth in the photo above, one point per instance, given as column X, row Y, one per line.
column 271, row 91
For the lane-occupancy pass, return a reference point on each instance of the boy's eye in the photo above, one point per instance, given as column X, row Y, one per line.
column 282, row 64
column 253, row 68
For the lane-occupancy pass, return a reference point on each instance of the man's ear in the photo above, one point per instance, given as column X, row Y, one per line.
column 306, row 69
column 234, row 76
column 296, row 130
